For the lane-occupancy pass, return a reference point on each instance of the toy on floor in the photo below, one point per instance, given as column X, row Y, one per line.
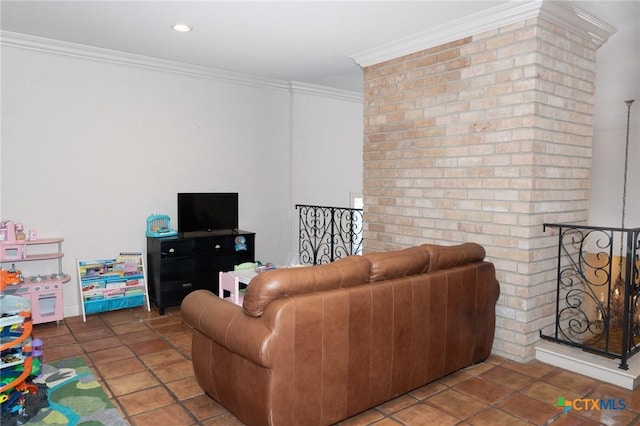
column 20, row 363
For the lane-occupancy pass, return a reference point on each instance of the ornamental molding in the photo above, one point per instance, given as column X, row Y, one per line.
column 81, row 51
column 561, row 13
column 314, row 89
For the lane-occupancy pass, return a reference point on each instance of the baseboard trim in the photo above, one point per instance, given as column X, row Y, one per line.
column 590, row 365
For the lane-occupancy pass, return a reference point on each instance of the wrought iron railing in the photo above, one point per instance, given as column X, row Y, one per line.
column 598, row 290
column 328, row 233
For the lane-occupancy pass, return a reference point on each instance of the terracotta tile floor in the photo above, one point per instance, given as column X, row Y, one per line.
column 142, row 360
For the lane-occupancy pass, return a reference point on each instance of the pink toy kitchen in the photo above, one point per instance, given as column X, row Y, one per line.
column 20, row 252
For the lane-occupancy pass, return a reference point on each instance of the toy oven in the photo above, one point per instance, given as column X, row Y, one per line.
column 45, row 297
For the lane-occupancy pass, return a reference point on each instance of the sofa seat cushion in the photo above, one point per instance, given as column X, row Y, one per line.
column 271, row 285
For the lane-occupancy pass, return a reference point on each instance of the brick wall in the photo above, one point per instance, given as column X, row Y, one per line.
column 484, row 139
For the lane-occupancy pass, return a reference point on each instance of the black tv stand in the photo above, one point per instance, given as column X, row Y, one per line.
column 210, row 233
column 178, row 265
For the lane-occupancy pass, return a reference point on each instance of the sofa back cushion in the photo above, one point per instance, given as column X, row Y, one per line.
column 399, row 263
column 356, row 270
column 270, row 285
column 422, row 259
column 443, row 257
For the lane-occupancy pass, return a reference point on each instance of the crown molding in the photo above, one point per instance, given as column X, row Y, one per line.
column 561, row 13
column 566, row 15
column 63, row 48
column 314, row 89
column 57, row 47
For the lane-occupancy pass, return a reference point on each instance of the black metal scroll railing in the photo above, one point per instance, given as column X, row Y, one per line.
column 598, row 290
column 328, row 233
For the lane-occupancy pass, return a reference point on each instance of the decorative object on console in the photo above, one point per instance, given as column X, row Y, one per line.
column 159, row 225
column 241, row 243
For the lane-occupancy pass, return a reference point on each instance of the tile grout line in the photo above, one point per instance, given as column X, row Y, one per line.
column 160, row 382
column 516, row 386
column 174, row 396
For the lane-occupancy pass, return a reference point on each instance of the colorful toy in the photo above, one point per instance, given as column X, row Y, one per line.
column 9, row 277
column 241, row 243
column 159, row 225
column 20, row 362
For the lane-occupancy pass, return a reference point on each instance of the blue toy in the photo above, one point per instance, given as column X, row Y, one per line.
column 241, row 243
column 159, row 225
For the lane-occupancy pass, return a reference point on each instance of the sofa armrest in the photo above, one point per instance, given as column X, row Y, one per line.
column 224, row 323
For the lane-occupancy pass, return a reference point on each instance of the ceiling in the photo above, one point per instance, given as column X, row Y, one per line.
column 303, row 41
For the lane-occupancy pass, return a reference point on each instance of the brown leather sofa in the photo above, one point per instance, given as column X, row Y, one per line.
column 315, row 345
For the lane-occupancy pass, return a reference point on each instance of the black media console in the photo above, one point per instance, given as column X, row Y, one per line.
column 176, row 266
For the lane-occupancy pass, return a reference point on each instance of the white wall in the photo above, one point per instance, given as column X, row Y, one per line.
column 326, row 153
column 327, row 139
column 90, row 148
column 617, row 71
column 607, row 174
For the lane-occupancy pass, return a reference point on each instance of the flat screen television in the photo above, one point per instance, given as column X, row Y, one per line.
column 207, row 212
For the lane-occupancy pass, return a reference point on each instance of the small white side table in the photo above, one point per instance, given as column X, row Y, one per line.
column 230, row 281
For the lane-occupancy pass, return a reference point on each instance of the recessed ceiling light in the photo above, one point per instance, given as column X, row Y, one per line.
column 183, row 28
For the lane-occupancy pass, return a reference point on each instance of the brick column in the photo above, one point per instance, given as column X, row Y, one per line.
column 484, row 139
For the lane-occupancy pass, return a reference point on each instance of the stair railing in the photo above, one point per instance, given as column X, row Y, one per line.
column 328, row 233
column 597, row 296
